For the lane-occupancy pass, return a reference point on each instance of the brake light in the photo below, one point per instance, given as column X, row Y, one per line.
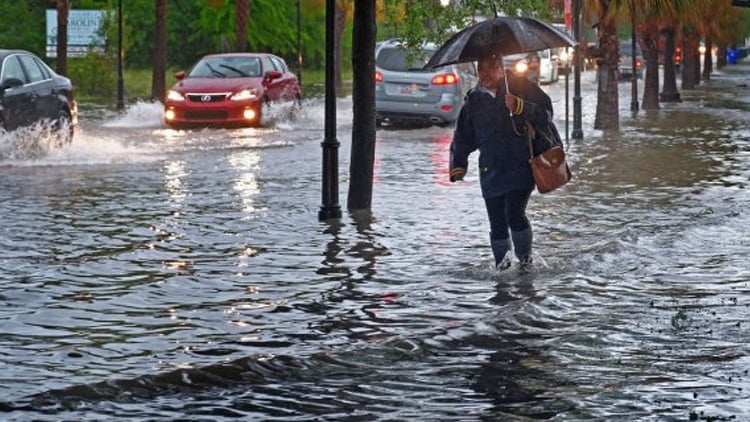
column 446, row 79
column 378, row 77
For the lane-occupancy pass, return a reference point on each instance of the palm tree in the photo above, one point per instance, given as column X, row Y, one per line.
column 158, row 83
column 651, row 16
column 715, row 16
column 361, row 167
column 669, row 92
column 606, row 52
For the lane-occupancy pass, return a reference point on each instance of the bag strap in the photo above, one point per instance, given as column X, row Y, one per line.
column 531, row 145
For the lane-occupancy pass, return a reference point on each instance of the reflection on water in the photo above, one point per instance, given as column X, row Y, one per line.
column 151, row 274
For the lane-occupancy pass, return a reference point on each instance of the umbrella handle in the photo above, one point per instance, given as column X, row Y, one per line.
column 507, row 91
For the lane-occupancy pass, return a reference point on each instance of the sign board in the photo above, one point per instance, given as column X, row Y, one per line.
column 741, row 3
column 83, row 32
column 569, row 15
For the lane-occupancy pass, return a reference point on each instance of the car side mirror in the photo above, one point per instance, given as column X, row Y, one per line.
column 180, row 75
column 11, row 83
column 273, row 74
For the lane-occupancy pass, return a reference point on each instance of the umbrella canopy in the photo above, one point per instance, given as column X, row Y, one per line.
column 500, row 36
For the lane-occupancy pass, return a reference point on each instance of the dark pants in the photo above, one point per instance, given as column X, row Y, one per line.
column 507, row 215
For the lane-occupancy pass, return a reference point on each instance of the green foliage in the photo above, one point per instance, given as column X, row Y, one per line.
column 94, row 75
column 24, row 25
column 428, row 20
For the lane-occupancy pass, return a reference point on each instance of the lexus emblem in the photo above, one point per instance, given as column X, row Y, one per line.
column 206, row 98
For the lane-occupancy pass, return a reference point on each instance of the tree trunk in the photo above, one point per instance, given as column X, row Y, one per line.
column 721, row 57
column 669, row 94
column 708, row 60
column 607, row 100
column 363, row 101
column 651, row 85
column 242, row 8
column 158, row 82
column 338, row 51
column 689, row 59
column 63, row 8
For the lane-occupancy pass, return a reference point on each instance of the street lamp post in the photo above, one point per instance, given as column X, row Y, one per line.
column 634, row 80
column 120, row 82
column 577, row 130
column 330, row 208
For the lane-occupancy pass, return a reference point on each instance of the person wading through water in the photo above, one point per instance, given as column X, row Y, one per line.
column 494, row 121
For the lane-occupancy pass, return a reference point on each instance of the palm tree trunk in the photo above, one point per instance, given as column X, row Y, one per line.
column 607, row 104
column 670, row 93
column 689, row 60
column 708, row 60
column 242, row 8
column 721, row 57
column 63, row 8
column 363, row 100
column 651, row 86
column 158, row 83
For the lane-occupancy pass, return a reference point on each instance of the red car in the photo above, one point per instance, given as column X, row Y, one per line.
column 229, row 90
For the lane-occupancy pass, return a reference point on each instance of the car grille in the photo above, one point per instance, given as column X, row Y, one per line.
column 206, row 115
column 207, row 98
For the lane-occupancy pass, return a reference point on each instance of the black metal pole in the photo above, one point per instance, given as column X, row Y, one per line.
column 120, row 81
column 299, row 43
column 567, row 99
column 634, row 80
column 577, row 130
column 330, row 208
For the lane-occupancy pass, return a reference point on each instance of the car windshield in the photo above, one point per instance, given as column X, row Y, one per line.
column 226, row 67
column 626, row 49
column 399, row 59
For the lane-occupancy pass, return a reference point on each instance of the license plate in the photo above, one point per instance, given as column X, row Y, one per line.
column 408, row 90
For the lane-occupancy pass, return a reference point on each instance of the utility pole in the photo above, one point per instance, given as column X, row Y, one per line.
column 120, row 82
column 299, row 43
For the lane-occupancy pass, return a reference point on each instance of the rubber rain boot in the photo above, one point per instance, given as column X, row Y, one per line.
column 501, row 249
column 522, row 245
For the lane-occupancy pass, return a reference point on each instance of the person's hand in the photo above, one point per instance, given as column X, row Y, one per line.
column 457, row 174
column 514, row 104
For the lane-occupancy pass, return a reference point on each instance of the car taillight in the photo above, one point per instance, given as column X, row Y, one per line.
column 378, row 77
column 446, row 79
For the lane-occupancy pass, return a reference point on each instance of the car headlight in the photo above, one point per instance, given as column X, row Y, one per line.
column 173, row 95
column 521, row 66
column 245, row 94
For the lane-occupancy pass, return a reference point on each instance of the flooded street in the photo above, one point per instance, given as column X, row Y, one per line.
column 151, row 274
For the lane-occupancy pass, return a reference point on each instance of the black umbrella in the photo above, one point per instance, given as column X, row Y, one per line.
column 500, row 36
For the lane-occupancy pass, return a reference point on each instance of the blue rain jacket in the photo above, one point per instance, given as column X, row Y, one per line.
column 484, row 123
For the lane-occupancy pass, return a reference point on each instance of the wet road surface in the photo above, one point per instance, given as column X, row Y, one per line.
column 150, row 274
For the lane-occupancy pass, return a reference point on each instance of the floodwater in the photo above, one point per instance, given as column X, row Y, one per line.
column 156, row 275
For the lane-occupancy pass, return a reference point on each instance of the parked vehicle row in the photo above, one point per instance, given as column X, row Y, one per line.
column 407, row 93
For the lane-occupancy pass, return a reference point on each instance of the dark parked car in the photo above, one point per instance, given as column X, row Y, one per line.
column 405, row 92
column 31, row 92
column 229, row 90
